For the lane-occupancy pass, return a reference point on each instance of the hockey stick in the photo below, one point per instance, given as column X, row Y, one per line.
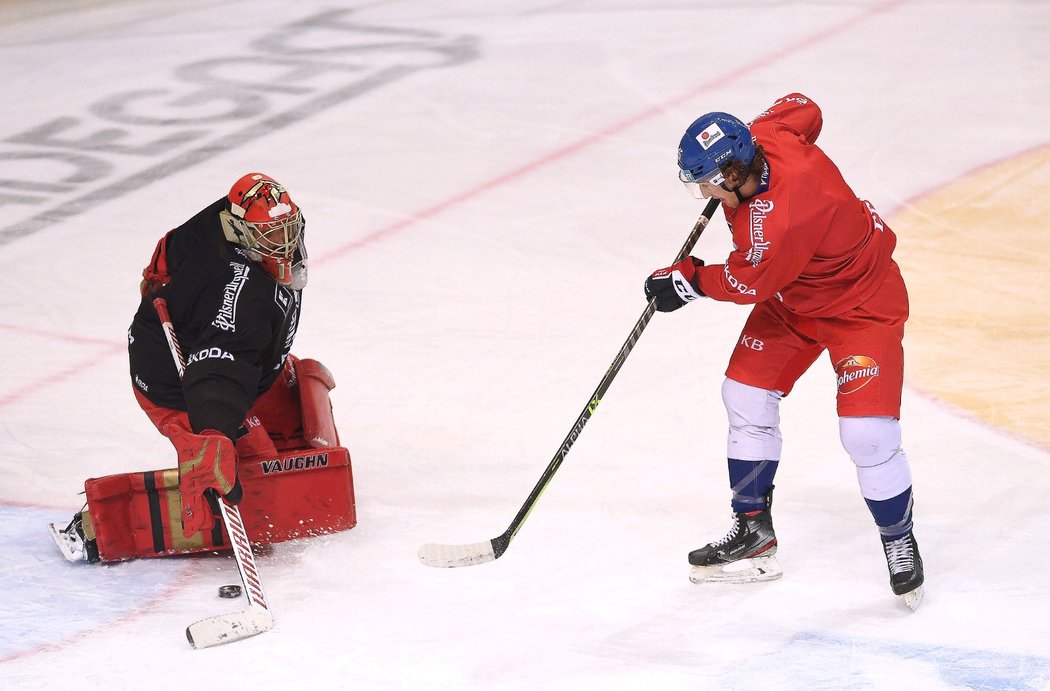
column 257, row 618
column 448, row 556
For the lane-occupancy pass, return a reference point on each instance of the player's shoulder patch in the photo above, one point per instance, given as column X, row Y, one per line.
column 283, row 297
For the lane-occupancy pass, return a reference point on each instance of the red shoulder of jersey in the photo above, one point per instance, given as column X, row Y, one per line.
column 794, row 112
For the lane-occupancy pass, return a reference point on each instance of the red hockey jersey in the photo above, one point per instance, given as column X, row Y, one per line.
column 807, row 239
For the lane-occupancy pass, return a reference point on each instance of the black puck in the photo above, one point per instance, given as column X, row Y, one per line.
column 229, row 591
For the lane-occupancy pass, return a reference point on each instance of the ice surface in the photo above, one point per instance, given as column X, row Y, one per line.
column 486, row 186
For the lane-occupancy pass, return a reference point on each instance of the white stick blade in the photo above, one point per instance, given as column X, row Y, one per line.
column 227, row 628
column 450, row 556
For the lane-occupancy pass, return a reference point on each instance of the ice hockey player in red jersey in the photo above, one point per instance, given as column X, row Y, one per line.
column 245, row 409
column 815, row 262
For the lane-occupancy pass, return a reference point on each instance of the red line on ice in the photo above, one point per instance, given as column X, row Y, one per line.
column 807, row 41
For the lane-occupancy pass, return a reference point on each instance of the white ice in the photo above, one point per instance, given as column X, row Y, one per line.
column 487, row 184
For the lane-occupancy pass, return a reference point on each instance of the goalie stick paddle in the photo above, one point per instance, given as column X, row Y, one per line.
column 257, row 618
column 449, row 556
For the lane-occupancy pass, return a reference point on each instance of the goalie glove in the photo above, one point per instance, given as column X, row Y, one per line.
column 675, row 285
column 207, row 461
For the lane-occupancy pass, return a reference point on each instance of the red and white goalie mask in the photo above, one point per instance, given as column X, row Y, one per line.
column 265, row 221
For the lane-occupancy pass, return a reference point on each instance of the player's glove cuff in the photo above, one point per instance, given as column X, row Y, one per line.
column 675, row 285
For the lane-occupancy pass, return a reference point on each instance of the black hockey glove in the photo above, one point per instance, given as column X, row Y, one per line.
column 674, row 286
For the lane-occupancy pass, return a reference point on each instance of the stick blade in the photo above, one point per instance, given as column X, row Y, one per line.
column 227, row 628
column 451, row 556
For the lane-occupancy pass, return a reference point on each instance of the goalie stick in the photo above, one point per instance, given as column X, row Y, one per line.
column 448, row 556
column 257, row 618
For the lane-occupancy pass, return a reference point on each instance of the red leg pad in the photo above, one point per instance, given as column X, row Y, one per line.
column 278, row 410
column 315, row 381
column 139, row 514
column 298, row 494
column 297, row 411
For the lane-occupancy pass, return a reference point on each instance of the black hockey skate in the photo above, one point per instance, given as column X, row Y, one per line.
column 72, row 541
column 744, row 555
column 905, row 565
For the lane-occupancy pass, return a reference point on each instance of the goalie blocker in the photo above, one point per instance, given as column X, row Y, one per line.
column 305, row 490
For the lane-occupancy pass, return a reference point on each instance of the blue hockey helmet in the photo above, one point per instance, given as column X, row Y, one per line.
column 710, row 142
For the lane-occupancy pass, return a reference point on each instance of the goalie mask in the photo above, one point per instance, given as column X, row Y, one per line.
column 264, row 220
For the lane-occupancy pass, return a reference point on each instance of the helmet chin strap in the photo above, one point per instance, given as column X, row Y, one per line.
column 736, row 190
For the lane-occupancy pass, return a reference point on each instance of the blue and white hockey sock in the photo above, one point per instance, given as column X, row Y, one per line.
column 751, row 482
column 893, row 516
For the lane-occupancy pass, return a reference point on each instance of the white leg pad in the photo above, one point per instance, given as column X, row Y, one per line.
column 754, row 422
column 874, row 446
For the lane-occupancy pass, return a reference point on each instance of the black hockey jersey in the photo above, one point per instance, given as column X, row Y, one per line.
column 234, row 322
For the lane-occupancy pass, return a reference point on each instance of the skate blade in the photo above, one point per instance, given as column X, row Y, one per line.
column 65, row 545
column 914, row 598
column 754, row 570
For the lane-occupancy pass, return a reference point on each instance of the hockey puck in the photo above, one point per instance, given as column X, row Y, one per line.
column 229, row 591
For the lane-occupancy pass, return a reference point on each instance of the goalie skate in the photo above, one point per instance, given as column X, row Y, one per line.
column 72, row 542
column 70, row 545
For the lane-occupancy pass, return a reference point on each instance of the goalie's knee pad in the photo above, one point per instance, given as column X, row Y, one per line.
column 754, row 422
column 315, row 381
column 874, row 446
column 297, row 411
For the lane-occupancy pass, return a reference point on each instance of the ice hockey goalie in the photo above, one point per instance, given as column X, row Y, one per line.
column 248, row 420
